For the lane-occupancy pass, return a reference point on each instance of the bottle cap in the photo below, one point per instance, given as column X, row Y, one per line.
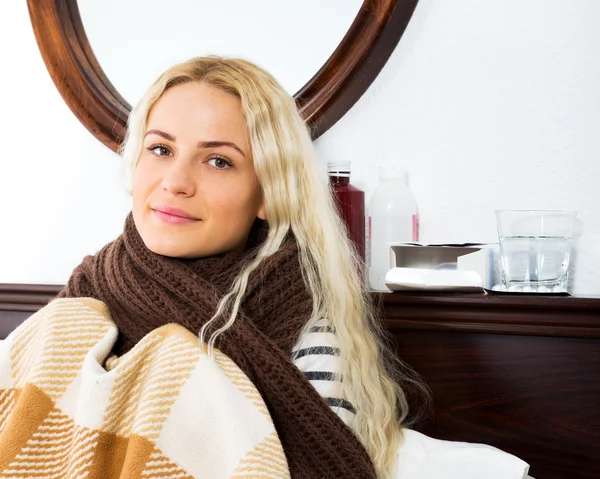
column 388, row 172
column 338, row 168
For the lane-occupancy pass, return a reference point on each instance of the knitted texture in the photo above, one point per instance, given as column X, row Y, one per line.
column 63, row 415
column 144, row 291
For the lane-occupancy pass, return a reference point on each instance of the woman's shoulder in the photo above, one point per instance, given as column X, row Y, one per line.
column 61, row 314
column 317, row 355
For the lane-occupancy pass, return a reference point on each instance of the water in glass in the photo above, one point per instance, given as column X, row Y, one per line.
column 535, row 262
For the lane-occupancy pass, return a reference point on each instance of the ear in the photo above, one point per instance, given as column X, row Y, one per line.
column 260, row 214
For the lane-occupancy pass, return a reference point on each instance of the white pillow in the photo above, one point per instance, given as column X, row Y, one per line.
column 422, row 457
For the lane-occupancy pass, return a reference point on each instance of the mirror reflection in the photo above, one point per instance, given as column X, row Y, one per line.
column 135, row 41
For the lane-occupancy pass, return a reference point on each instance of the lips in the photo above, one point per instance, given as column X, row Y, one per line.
column 171, row 210
column 173, row 215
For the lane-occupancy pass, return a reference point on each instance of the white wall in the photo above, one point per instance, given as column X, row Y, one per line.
column 488, row 105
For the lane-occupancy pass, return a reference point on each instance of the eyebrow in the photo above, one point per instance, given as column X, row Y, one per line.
column 201, row 144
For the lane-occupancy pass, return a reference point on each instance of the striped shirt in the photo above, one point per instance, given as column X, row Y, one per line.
column 317, row 355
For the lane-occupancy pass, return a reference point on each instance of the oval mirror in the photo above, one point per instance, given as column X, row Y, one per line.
column 103, row 55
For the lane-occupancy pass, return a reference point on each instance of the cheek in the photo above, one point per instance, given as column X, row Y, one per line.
column 235, row 204
column 136, row 191
column 141, row 185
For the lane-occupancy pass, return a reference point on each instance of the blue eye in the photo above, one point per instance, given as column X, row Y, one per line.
column 220, row 163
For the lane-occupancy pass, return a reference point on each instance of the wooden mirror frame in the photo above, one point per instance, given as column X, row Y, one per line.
column 327, row 96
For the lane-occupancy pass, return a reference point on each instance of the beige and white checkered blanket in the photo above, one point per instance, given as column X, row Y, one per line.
column 164, row 409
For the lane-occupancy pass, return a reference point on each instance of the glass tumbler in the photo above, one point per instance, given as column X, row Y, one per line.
column 535, row 249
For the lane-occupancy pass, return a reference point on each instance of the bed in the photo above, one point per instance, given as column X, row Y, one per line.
column 521, row 373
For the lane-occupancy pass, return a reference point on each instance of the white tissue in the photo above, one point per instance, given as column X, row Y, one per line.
column 408, row 279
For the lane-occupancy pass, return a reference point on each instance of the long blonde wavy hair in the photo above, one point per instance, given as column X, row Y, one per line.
column 297, row 200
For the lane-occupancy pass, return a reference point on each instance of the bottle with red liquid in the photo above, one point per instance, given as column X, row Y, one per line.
column 350, row 201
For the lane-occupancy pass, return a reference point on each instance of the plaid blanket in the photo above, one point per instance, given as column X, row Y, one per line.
column 68, row 408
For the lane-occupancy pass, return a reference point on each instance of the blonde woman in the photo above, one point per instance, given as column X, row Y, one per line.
column 233, row 235
column 268, row 173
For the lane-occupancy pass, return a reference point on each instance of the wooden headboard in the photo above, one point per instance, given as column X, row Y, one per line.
column 521, row 373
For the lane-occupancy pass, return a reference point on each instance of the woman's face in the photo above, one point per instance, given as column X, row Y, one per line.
column 194, row 188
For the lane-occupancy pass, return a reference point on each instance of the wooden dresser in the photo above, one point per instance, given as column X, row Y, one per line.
column 521, row 373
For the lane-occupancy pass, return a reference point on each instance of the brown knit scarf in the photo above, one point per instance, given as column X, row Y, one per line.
column 144, row 291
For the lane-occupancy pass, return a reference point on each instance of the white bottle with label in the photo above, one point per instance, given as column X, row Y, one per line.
column 392, row 218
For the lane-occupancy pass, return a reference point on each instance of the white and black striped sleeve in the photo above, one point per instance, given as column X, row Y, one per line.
column 317, row 355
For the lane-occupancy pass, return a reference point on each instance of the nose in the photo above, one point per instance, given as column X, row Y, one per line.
column 179, row 179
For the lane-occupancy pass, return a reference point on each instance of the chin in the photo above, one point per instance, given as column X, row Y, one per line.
column 173, row 249
column 173, row 245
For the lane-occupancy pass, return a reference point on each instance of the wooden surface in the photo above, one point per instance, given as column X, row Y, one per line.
column 501, row 313
column 536, row 397
column 521, row 373
column 326, row 97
